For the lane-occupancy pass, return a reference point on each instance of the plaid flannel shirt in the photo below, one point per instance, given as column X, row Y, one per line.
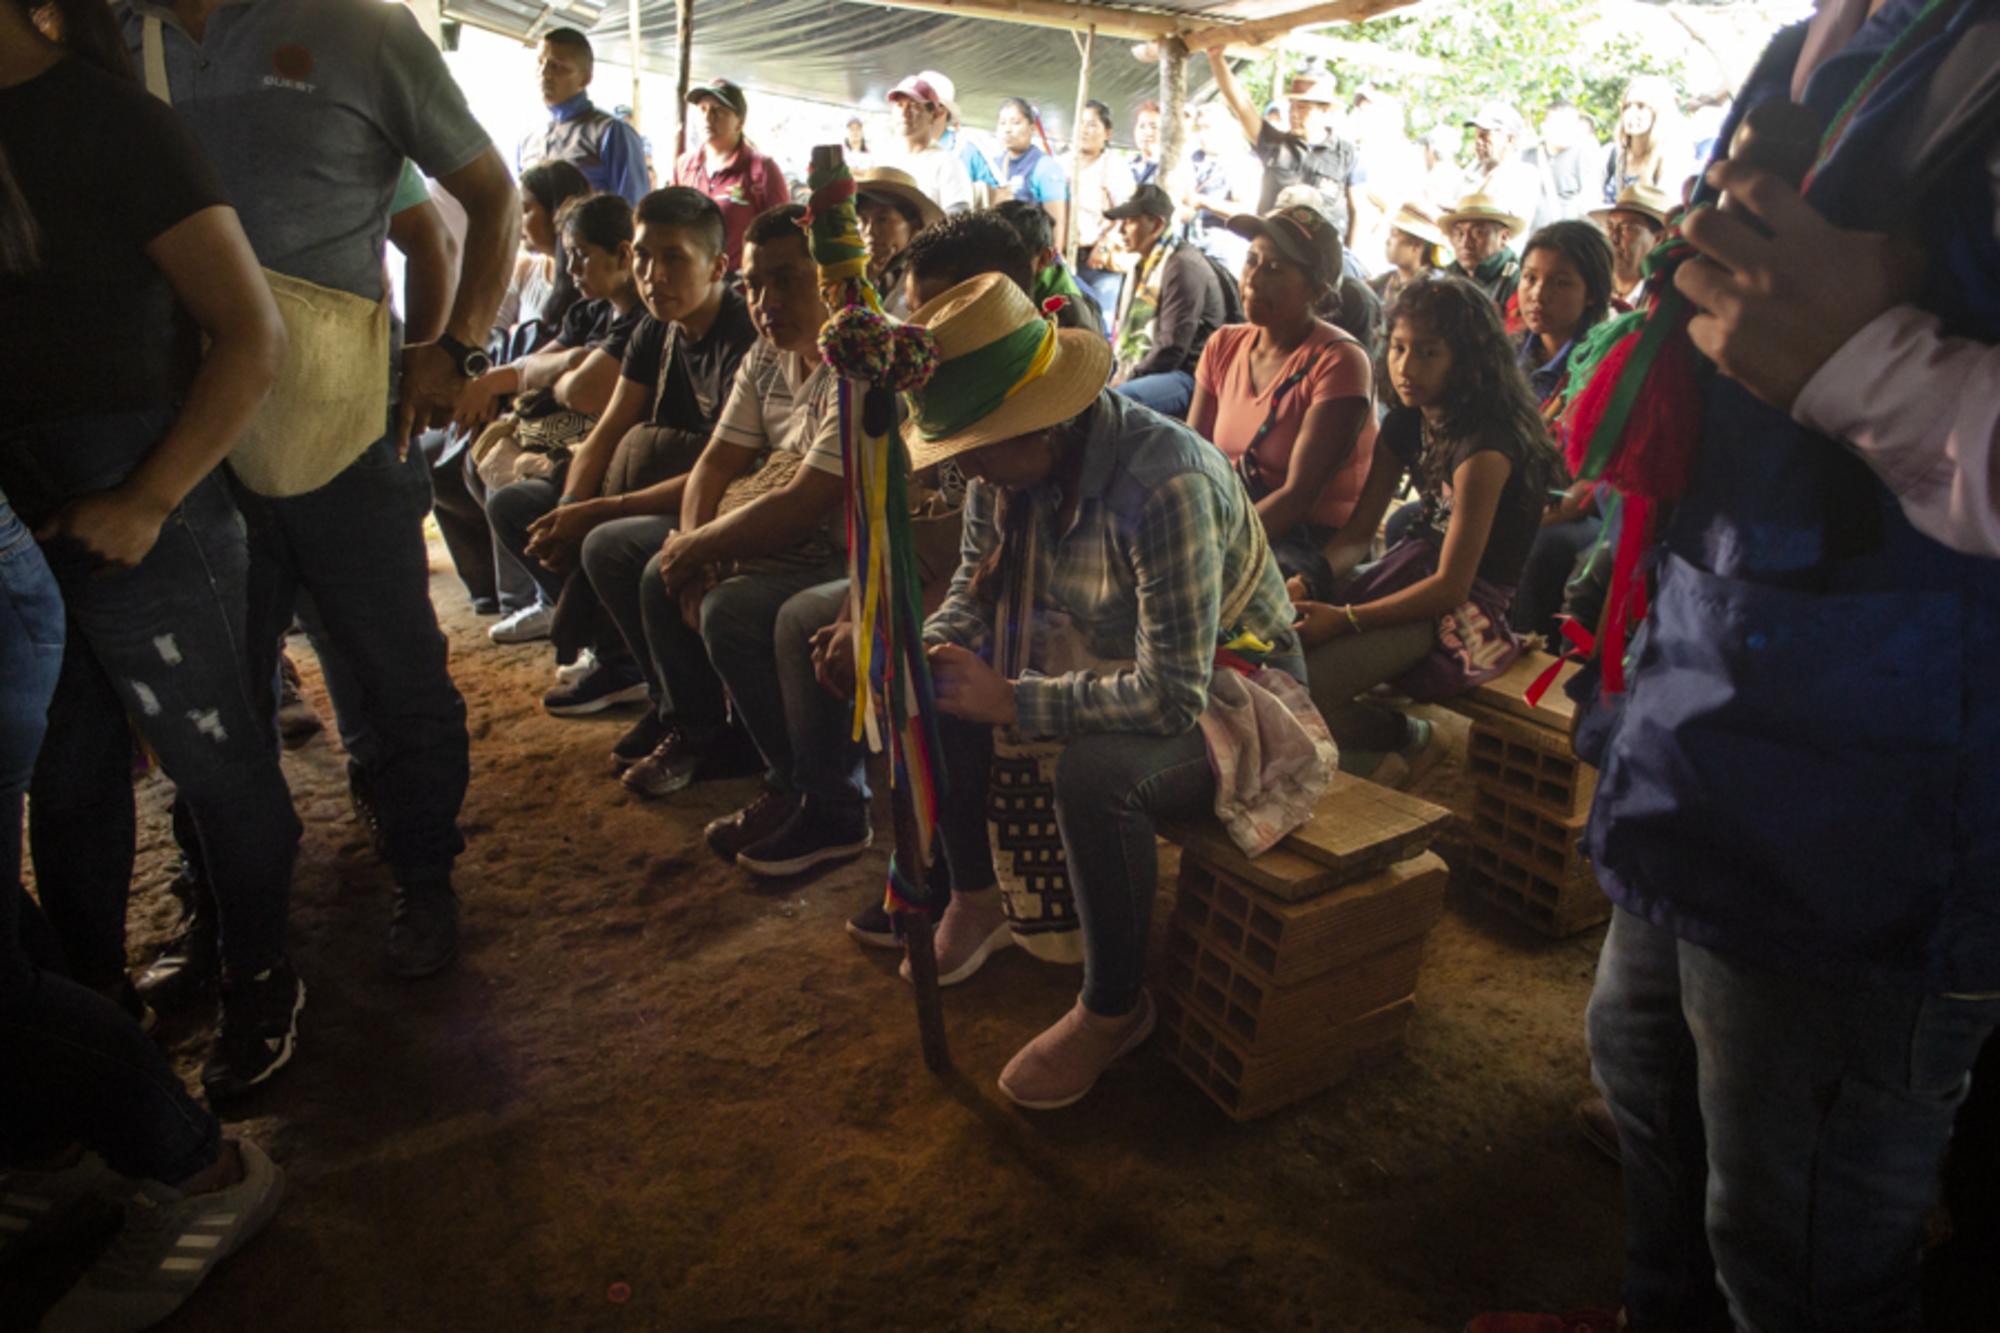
column 1160, row 532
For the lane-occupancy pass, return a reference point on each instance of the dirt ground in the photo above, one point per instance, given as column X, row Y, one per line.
column 658, row 1094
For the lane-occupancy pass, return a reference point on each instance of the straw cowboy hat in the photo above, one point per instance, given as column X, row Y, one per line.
column 1648, row 201
column 899, row 187
column 1412, row 219
column 1482, row 208
column 1004, row 370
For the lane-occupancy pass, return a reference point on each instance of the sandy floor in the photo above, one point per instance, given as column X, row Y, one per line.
column 656, row 1094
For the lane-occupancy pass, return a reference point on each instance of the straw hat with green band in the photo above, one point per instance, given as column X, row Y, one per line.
column 1004, row 370
column 1483, row 208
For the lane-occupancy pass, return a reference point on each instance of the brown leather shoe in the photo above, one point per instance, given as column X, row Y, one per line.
column 753, row 823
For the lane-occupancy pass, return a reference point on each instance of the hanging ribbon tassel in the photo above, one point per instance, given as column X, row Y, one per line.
column 895, row 707
column 1634, row 424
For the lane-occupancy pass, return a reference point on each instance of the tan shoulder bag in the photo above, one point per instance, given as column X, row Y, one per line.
column 331, row 400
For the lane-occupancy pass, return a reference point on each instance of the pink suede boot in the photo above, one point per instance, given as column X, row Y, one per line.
column 1060, row 1066
column 973, row 928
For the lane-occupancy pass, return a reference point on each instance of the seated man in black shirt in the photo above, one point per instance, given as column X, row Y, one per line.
column 1311, row 153
column 1172, row 300
column 628, row 472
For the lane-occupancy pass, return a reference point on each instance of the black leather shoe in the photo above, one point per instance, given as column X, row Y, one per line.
column 753, row 823
column 423, row 930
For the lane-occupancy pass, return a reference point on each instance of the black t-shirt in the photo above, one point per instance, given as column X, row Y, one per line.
column 699, row 377
column 105, row 169
column 1519, row 516
column 1328, row 167
column 598, row 326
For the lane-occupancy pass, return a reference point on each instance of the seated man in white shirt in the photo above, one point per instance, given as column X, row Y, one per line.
column 710, row 599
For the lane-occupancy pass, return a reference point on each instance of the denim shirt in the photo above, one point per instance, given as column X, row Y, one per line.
column 1543, row 377
column 1162, row 530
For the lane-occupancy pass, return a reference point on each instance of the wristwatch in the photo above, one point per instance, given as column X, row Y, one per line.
column 472, row 361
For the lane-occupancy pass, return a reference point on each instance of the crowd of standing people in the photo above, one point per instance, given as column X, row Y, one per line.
column 1274, row 426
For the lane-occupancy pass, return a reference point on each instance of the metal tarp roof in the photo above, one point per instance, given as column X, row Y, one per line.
column 851, row 54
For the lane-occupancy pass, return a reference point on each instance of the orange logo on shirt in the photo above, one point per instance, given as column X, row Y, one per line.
column 292, row 61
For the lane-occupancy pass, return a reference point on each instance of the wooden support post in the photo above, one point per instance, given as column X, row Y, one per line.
column 1067, row 241
column 1262, row 30
column 632, row 44
column 683, row 72
column 430, row 17
column 1173, row 103
column 1108, row 20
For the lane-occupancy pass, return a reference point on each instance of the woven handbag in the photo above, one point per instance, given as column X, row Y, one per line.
column 331, row 398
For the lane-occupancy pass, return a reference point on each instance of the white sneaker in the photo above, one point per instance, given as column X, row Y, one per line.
column 586, row 662
column 524, row 626
column 169, row 1243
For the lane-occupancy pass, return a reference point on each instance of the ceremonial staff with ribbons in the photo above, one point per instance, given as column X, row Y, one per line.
column 894, row 705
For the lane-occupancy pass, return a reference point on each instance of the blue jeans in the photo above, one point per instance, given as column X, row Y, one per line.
column 517, row 590
column 1111, row 789
column 828, row 765
column 739, row 627
column 31, row 653
column 77, row 1067
column 1782, row 1138
column 615, row 557
column 510, row 510
column 1170, row 393
column 355, row 546
column 1103, row 285
column 164, row 645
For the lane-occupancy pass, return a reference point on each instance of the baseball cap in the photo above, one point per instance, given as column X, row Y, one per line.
column 723, row 91
column 916, row 88
column 947, row 91
column 1323, row 91
column 1301, row 233
column 1146, row 201
column 1496, row 116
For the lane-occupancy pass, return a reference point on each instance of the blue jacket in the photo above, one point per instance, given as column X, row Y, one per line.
column 1805, row 771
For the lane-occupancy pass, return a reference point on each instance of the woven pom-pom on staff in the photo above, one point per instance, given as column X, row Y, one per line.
column 894, row 704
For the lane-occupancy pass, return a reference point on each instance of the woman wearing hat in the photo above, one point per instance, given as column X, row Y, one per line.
column 1415, row 248
column 727, row 167
column 1634, row 223
column 892, row 210
column 1482, row 232
column 1287, row 396
column 1130, row 551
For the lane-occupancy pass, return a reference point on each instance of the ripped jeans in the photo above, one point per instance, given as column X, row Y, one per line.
column 161, row 644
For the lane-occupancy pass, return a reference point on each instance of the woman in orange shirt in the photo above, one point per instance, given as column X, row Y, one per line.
column 1287, row 396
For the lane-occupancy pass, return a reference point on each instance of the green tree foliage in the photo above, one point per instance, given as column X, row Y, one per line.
column 1525, row 52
